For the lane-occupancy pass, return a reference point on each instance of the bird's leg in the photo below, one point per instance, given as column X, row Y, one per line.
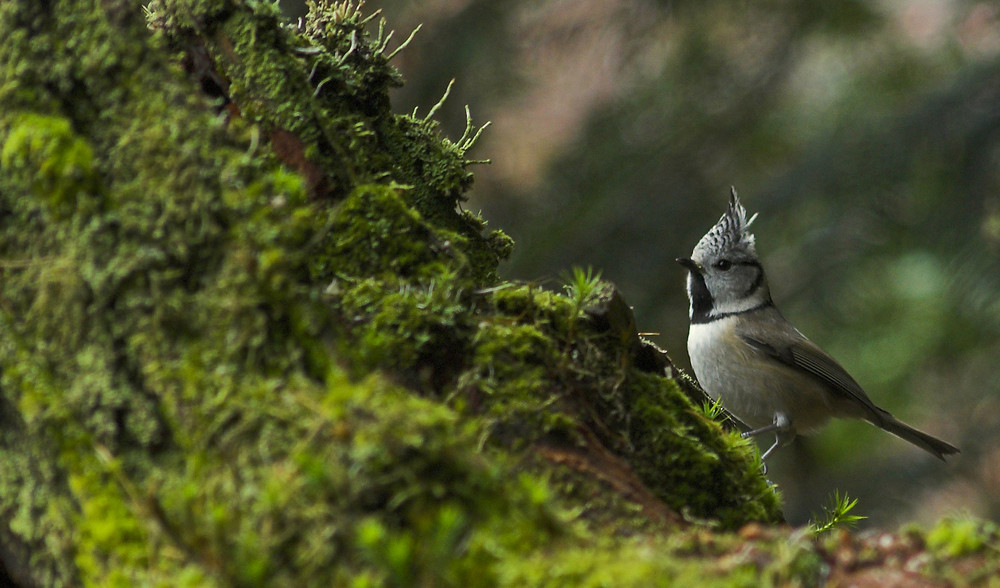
column 782, row 425
column 778, row 442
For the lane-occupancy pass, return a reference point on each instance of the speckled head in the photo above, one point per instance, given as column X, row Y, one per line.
column 729, row 235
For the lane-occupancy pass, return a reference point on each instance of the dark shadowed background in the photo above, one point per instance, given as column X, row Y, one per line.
column 867, row 135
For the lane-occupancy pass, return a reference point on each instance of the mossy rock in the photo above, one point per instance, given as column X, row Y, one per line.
column 248, row 336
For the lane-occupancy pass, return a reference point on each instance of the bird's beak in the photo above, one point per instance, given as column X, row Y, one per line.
column 690, row 264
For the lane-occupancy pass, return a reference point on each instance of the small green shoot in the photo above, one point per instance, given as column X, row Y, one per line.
column 836, row 514
column 581, row 284
column 712, row 409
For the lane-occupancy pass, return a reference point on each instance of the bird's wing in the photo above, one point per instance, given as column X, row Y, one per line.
column 793, row 349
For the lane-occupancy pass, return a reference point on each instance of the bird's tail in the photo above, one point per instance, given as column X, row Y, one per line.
column 930, row 444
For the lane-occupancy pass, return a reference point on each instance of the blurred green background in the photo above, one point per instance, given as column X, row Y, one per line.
column 867, row 135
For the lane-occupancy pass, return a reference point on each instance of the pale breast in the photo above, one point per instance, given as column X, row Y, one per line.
column 753, row 386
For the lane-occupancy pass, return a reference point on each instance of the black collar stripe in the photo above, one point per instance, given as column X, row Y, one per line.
column 701, row 318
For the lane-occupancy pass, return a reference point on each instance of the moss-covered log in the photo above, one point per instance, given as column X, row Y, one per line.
column 248, row 336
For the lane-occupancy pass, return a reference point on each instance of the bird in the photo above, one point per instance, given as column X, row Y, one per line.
column 747, row 356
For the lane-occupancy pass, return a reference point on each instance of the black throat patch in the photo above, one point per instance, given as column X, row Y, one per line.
column 701, row 299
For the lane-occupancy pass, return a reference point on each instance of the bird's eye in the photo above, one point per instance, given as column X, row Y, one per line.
column 723, row 264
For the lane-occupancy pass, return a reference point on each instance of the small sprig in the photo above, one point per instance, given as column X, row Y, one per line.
column 712, row 409
column 581, row 284
column 836, row 514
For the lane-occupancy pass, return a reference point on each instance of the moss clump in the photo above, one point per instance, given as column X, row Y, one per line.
column 541, row 349
column 696, row 463
column 59, row 165
column 374, row 233
column 359, row 479
column 528, row 361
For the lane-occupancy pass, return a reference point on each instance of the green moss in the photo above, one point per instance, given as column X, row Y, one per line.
column 954, row 537
column 321, row 94
column 692, row 462
column 359, row 477
column 538, row 359
column 535, row 367
column 966, row 551
column 375, row 233
column 56, row 163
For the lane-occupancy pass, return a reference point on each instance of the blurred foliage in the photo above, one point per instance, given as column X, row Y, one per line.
column 866, row 134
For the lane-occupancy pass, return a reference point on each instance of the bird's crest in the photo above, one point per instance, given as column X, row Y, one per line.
column 729, row 234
